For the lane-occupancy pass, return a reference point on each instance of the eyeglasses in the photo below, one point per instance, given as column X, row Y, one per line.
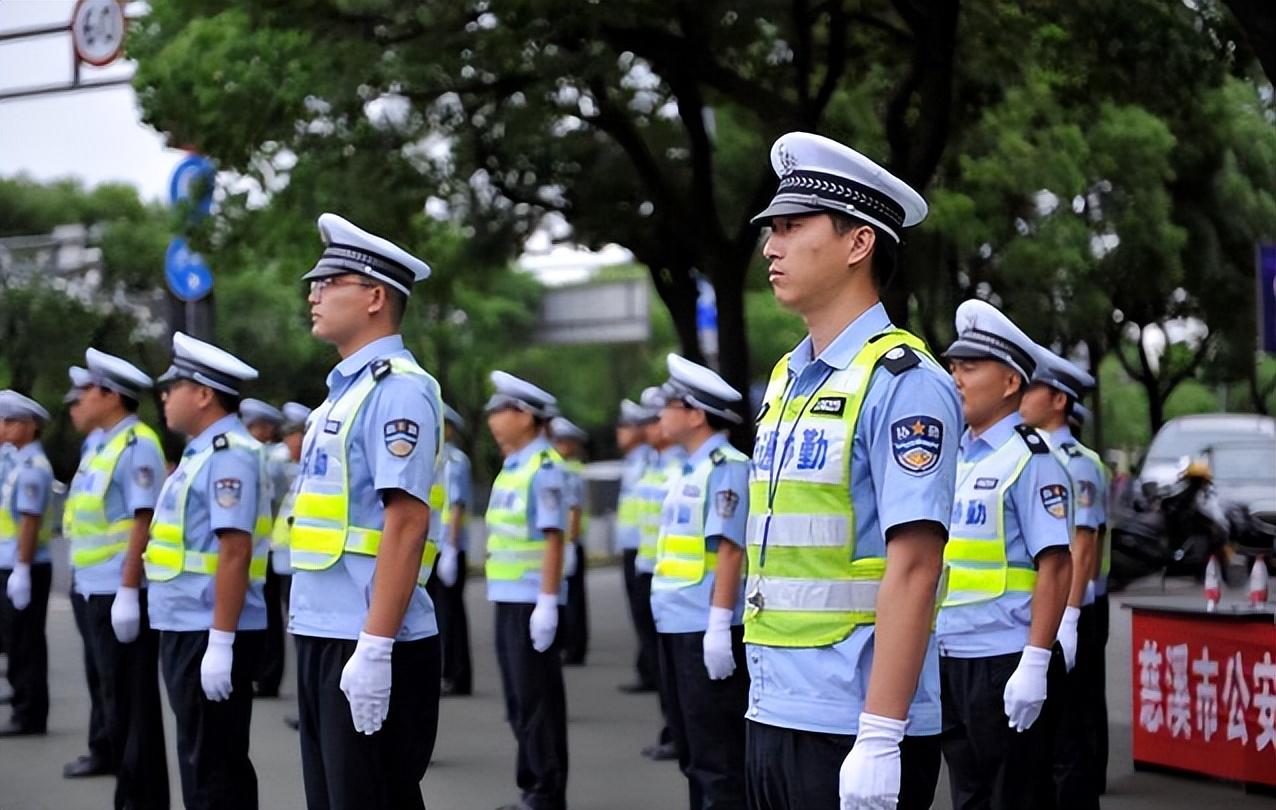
column 320, row 284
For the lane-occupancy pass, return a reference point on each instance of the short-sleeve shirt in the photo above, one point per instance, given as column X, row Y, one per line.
column 28, row 488
column 1000, row 627
column 459, row 476
column 823, row 689
column 546, row 511
column 725, row 508
column 135, row 485
column 636, row 461
column 333, row 603
column 223, row 496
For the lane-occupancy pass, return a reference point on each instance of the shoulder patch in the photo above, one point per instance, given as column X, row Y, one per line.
column 1085, row 493
column 725, row 502
column 1054, row 497
column 916, row 442
column 227, row 491
column 717, row 456
column 900, row 359
column 220, row 442
column 401, row 437
column 1032, row 438
column 380, row 369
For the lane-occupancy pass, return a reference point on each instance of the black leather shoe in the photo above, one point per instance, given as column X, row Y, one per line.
column 636, row 688
column 660, row 752
column 84, row 766
column 292, row 721
column 14, row 730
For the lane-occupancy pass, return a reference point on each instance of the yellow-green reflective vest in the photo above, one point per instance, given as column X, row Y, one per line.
column 976, row 568
column 682, row 557
column 513, row 554
column 811, row 587
column 281, row 533
column 650, row 491
column 452, row 455
column 321, row 528
column 9, row 526
column 167, row 555
column 94, row 539
column 1105, row 559
column 629, row 505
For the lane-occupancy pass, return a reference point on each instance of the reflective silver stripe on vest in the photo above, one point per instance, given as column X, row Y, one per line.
column 817, row 595
column 800, row 531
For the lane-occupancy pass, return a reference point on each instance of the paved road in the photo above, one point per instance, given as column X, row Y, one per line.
column 474, row 758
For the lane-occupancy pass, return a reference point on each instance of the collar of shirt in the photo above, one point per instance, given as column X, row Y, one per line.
column 1061, row 436
column 974, row 447
column 124, row 424
column 29, row 450
column 519, row 457
column 224, row 425
column 846, row 345
column 702, row 452
column 350, row 367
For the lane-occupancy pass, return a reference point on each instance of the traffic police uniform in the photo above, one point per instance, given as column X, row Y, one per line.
column 704, row 678
column 272, row 661
column 379, row 430
column 449, row 597
column 1011, row 506
column 220, row 485
column 850, row 444
column 120, row 474
column 296, row 418
column 1078, row 708
column 528, row 500
column 628, row 535
column 25, row 491
column 575, row 630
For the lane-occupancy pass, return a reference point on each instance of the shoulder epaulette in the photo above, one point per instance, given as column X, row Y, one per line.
column 380, row 368
column 221, row 442
column 132, row 438
column 1032, row 438
column 546, row 459
column 717, row 456
column 900, row 359
column 1071, row 449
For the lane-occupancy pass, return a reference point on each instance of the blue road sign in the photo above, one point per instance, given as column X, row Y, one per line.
column 1267, row 297
column 188, row 275
column 193, row 173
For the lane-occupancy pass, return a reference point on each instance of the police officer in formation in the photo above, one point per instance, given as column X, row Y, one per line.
column 569, row 442
column 368, row 657
column 526, row 533
column 447, row 586
column 206, row 564
column 696, row 590
column 631, row 440
column 26, row 572
column 107, row 518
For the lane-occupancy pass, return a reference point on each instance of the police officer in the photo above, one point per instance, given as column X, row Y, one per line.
column 292, row 432
column 696, row 597
column 25, row 569
column 264, row 423
column 526, row 526
column 1057, row 385
column 97, row 762
column 849, row 503
column 569, row 441
column 109, row 509
column 631, row 439
column 362, row 540
column 206, row 563
column 447, row 586
column 1008, row 573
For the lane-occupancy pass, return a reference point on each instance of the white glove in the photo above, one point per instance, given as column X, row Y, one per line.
column 449, row 558
column 571, row 562
column 1067, row 636
column 214, row 670
column 870, row 775
column 19, row 588
column 718, row 659
column 126, row 614
column 544, row 622
column 365, row 680
column 1026, row 690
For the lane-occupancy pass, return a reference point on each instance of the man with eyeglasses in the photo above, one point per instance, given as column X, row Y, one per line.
column 368, row 654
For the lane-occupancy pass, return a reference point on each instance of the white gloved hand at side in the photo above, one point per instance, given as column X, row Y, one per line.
column 449, row 559
column 214, row 669
column 19, row 587
column 126, row 614
column 718, row 657
column 870, row 775
column 365, row 681
column 1067, row 635
column 544, row 622
column 1026, row 690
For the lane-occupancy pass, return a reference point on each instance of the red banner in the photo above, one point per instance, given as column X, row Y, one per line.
column 1205, row 693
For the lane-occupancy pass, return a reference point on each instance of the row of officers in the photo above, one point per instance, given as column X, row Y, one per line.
column 907, row 569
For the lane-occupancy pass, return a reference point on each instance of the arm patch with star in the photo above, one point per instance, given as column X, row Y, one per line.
column 916, row 442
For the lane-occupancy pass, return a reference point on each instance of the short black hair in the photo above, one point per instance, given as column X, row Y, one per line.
column 885, row 249
column 397, row 303
column 717, row 422
column 131, row 405
column 228, row 402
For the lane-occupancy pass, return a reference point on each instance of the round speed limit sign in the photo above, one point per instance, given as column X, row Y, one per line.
column 97, row 30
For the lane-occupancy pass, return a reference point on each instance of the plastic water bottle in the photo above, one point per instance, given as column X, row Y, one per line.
column 1258, row 583
column 1212, row 590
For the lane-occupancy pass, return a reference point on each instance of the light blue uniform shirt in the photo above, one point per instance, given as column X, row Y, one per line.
column 636, row 460
column 459, row 476
column 1089, row 494
column 135, row 485
column 822, row 689
column 1000, row 627
column 185, row 602
column 333, row 603
column 725, row 502
column 27, row 493
column 546, row 511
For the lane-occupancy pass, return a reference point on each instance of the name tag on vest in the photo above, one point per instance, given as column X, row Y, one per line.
column 829, row 406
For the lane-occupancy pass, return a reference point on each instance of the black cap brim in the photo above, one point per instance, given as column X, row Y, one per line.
column 787, row 209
